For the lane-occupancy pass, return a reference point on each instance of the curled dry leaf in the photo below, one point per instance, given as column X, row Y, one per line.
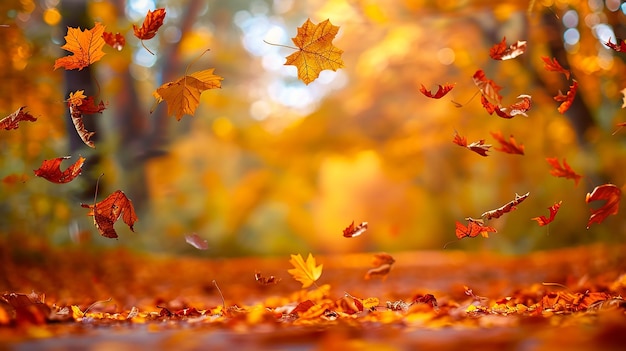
column 305, row 272
column 382, row 263
column 116, row 41
column 501, row 51
column 86, row 47
column 488, row 88
column 508, row 207
column 265, row 280
column 554, row 66
column 564, row 171
column 353, row 231
column 151, row 24
column 12, row 121
column 183, row 96
column 478, row 147
column 196, row 241
column 441, row 91
column 51, row 170
column 609, row 192
column 510, row 146
column 80, row 104
column 554, row 209
column 316, row 50
column 472, row 229
column 619, row 46
column 106, row 212
column 518, row 108
column 568, row 99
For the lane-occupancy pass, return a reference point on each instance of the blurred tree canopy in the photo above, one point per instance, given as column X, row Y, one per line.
column 269, row 165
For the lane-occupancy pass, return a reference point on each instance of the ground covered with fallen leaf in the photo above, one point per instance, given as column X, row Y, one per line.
column 77, row 299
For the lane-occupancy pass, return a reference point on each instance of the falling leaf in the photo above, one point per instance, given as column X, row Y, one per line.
column 116, row 41
column 80, row 104
column 86, row 47
column 478, row 147
column 441, row 91
column 510, row 146
column 568, row 99
column 183, row 95
column 619, row 46
column 51, row 171
column 472, row 229
column 305, row 272
column 196, row 241
column 151, row 24
column 14, row 178
column 564, row 171
column 315, row 50
column 265, row 280
column 106, row 212
column 518, row 108
column 488, row 88
column 382, row 263
column 609, row 192
column 501, row 51
column 12, row 121
column 554, row 209
column 508, row 207
column 351, row 231
column 554, row 66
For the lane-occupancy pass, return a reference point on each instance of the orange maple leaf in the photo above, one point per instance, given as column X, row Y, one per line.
column 472, row 230
column 51, row 171
column 609, row 192
column 554, row 209
column 12, row 121
column 501, row 51
column 568, row 99
column 510, row 146
column 554, row 66
column 316, row 51
column 106, row 212
column 305, row 272
column 183, row 95
column 151, row 24
column 441, row 91
column 564, row 171
column 86, row 47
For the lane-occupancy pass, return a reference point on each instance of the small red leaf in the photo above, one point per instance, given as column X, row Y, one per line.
column 151, row 24
column 441, row 91
column 564, row 171
column 510, row 146
column 472, row 229
column 554, row 66
column 51, row 171
column 478, row 147
column 554, row 209
column 488, row 88
column 116, row 41
column 568, row 99
column 12, row 121
column 609, row 192
column 353, row 231
column 619, row 46
column 501, row 51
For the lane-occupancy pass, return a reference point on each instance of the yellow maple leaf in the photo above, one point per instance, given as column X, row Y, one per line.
column 316, row 51
column 86, row 47
column 183, row 95
column 305, row 272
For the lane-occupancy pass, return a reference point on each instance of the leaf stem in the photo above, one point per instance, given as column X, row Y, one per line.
column 145, row 47
column 468, row 101
column 279, row 45
column 222, row 296
column 194, row 60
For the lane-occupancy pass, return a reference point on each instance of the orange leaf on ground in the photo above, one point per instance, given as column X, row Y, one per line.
column 554, row 66
column 106, row 212
column 305, row 272
column 382, row 263
column 609, row 192
column 353, row 231
column 510, row 146
column 501, row 51
column 116, row 41
column 441, row 91
column 478, row 147
column 554, row 209
column 86, row 47
column 488, row 88
column 12, row 121
column 508, row 207
column 568, row 99
column 472, row 229
column 51, row 170
column 151, row 24
column 316, row 50
column 183, row 95
column 564, row 171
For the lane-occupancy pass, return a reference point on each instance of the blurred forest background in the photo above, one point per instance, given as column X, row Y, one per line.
column 270, row 166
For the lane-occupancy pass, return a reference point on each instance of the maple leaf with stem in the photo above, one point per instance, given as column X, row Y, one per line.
column 86, row 47
column 316, row 51
column 501, row 51
column 542, row 220
column 51, row 171
column 510, row 146
column 441, row 91
column 12, row 121
column 564, row 171
column 554, row 66
column 183, row 95
column 567, row 99
column 307, row 272
column 609, row 192
column 151, row 24
column 106, row 212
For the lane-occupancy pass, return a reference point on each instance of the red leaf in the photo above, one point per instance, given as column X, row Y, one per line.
column 510, row 147
column 151, row 24
column 116, row 41
column 472, row 230
column 303, row 307
column 109, row 210
column 441, row 91
column 609, row 192
column 554, row 209
column 488, row 88
column 508, row 207
column 568, row 99
column 554, row 66
column 12, row 121
column 351, row 231
column 501, row 52
column 478, row 147
column 564, row 171
column 196, row 241
column 518, row 108
column 51, row 171
column 619, row 46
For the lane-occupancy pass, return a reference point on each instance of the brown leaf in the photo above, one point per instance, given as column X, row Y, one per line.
column 109, row 210
column 196, row 241
column 80, row 104
column 51, row 171
column 508, row 207
column 151, row 24
column 510, row 146
column 609, row 192
column 12, row 121
column 382, row 263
